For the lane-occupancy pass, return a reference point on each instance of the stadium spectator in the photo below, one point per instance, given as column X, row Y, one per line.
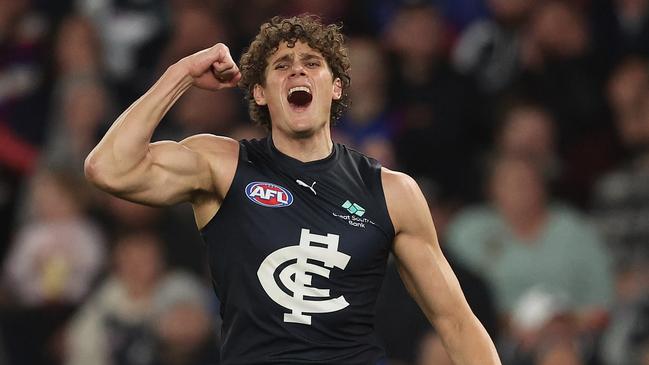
column 370, row 125
column 138, row 301
column 620, row 199
column 620, row 29
column 528, row 130
column 428, row 96
column 57, row 252
column 53, row 263
column 522, row 239
column 490, row 48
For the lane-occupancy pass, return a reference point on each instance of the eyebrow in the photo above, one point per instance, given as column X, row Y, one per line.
column 286, row 57
column 303, row 56
column 310, row 56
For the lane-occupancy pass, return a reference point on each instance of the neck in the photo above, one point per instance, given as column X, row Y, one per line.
column 304, row 148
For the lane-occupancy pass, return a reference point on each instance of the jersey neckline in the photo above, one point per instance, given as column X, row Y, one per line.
column 291, row 162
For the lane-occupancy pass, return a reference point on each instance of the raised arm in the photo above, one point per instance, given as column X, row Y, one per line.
column 428, row 276
column 125, row 162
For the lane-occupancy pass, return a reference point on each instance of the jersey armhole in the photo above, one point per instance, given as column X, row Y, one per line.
column 226, row 197
column 390, row 233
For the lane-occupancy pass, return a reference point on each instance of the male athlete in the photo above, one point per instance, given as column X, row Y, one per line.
column 298, row 228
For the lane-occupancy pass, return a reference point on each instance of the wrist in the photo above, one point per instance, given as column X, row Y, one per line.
column 180, row 74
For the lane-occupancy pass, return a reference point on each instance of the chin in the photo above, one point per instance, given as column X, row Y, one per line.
column 303, row 130
column 301, row 124
column 303, row 134
column 305, row 126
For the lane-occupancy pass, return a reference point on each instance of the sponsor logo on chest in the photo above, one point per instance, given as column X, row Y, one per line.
column 268, row 194
column 356, row 217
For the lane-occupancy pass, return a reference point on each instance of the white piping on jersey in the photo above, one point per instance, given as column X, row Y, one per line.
column 302, row 183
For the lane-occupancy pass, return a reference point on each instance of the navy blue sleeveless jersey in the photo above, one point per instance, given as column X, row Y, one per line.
column 297, row 254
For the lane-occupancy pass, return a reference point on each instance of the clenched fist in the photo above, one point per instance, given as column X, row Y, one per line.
column 212, row 68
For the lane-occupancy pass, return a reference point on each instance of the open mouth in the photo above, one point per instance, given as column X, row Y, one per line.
column 300, row 96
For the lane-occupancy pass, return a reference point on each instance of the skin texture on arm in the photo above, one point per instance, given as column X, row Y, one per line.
column 428, row 276
column 125, row 163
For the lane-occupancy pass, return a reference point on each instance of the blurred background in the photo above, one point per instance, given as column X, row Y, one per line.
column 526, row 123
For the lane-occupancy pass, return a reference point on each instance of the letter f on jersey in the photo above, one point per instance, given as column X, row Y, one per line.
column 295, row 277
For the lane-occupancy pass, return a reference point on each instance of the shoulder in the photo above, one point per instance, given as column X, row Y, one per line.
column 365, row 168
column 211, row 144
column 397, row 183
column 405, row 201
column 570, row 222
column 472, row 227
column 360, row 159
column 220, row 153
column 567, row 216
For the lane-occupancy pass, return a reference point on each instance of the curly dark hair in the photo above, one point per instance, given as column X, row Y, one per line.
column 327, row 39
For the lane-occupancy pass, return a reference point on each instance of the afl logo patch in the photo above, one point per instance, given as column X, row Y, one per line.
column 269, row 195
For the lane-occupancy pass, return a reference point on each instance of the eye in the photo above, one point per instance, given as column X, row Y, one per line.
column 312, row 64
column 281, row 66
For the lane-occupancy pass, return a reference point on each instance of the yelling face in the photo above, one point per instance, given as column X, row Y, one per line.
column 298, row 91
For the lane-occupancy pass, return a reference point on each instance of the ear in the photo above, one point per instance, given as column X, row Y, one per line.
column 258, row 94
column 337, row 89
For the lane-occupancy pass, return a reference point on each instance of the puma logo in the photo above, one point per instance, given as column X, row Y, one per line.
column 302, row 183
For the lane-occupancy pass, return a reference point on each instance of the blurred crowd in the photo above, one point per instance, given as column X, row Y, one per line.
column 526, row 123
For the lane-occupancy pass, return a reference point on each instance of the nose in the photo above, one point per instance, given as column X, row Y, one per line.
column 297, row 69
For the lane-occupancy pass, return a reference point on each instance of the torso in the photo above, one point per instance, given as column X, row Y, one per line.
column 297, row 253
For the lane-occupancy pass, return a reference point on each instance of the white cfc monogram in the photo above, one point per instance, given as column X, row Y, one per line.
column 296, row 277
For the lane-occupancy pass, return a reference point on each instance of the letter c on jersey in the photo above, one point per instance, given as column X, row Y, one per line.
column 296, row 276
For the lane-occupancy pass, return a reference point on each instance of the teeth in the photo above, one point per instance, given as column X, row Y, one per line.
column 299, row 88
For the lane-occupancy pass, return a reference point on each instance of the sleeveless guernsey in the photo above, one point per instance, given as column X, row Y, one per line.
column 297, row 254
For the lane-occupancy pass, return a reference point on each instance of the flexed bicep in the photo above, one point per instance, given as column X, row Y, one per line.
column 174, row 172
column 169, row 174
column 126, row 164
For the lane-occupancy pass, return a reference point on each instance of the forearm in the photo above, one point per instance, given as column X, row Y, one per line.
column 466, row 341
column 126, row 144
column 434, row 286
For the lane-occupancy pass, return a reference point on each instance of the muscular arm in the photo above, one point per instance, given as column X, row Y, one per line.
column 125, row 162
column 428, row 276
